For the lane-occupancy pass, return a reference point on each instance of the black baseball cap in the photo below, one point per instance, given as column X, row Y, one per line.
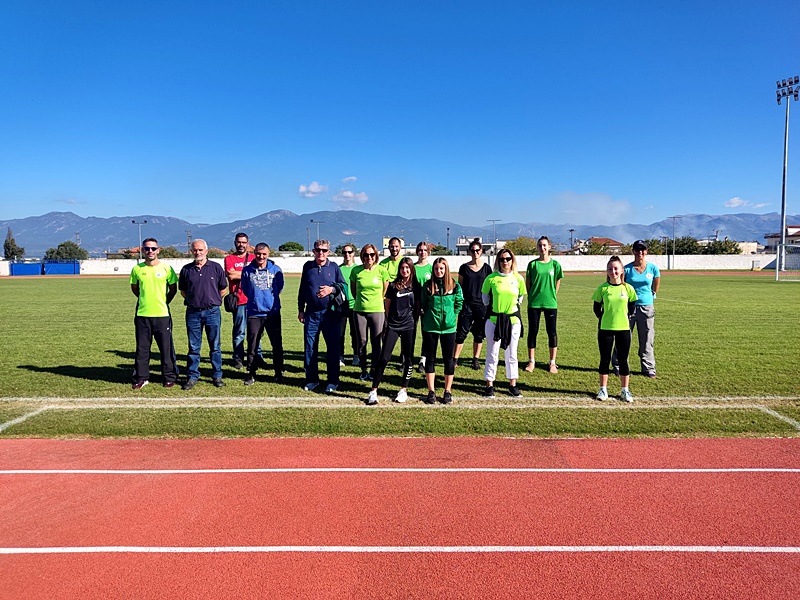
column 640, row 245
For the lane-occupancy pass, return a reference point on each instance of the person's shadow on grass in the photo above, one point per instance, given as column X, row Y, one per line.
column 118, row 374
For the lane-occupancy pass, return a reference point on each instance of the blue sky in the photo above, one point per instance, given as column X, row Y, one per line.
column 583, row 112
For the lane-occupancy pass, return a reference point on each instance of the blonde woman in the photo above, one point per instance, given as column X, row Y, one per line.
column 368, row 283
column 502, row 293
column 542, row 281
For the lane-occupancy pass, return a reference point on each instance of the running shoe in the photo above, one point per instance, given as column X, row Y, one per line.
column 217, row 381
column 250, row 380
column 488, row 392
column 341, row 363
column 331, row 388
column 430, row 398
column 421, row 367
column 626, row 396
column 476, row 364
column 372, row 399
column 514, row 391
column 365, row 376
column 602, row 395
column 356, row 362
column 310, row 387
column 447, row 398
column 401, row 397
column 189, row 384
column 140, row 384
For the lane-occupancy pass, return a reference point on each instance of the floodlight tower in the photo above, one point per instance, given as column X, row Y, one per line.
column 318, row 224
column 674, row 220
column 571, row 231
column 788, row 89
column 494, row 223
column 139, row 223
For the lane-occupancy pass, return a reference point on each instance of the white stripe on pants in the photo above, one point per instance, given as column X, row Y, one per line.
column 493, row 353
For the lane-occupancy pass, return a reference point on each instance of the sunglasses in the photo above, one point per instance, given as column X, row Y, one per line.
column 150, row 248
column 323, row 250
column 370, row 254
column 347, row 251
column 474, row 250
column 504, row 259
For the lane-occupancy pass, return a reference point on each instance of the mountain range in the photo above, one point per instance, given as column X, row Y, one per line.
column 99, row 235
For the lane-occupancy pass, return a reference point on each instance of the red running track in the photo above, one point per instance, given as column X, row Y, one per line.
column 255, row 515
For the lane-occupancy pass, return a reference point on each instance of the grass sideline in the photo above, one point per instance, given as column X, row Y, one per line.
column 718, row 336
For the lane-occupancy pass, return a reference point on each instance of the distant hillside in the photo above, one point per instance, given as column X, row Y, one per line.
column 37, row 234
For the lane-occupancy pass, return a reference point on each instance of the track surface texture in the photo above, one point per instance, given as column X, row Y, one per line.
column 397, row 518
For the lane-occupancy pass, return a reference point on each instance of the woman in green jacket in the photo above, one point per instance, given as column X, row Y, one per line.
column 441, row 302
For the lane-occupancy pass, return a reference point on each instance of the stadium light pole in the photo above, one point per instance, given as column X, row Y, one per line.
column 494, row 223
column 189, row 241
column 318, row 224
column 139, row 223
column 788, row 89
column 571, row 231
column 674, row 220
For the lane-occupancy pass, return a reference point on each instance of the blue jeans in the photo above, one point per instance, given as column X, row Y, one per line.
column 197, row 320
column 327, row 323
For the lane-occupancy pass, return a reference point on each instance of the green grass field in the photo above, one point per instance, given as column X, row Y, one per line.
column 724, row 348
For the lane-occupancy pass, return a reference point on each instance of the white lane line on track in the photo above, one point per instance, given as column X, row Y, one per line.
column 392, row 470
column 18, row 420
column 399, row 549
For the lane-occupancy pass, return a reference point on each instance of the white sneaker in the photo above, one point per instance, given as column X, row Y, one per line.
column 602, row 395
column 341, row 363
column 626, row 396
column 401, row 397
column 331, row 388
column 310, row 387
column 372, row 399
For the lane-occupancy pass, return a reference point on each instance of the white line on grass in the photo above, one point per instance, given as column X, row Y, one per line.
column 24, row 417
column 778, row 415
column 566, row 470
column 400, row 549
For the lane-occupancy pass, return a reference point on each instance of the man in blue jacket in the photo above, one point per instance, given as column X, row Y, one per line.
column 262, row 283
column 318, row 282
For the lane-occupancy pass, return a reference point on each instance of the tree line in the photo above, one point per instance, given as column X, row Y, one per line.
column 526, row 246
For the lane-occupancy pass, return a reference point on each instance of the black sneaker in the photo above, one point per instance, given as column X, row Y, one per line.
column 217, row 381
column 475, row 364
column 447, row 398
column 514, row 391
column 250, row 380
column 430, row 398
column 238, row 364
column 189, row 384
column 488, row 392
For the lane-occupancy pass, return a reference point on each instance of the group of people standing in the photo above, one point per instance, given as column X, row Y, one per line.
column 384, row 302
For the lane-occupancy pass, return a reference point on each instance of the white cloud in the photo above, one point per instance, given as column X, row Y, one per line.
column 592, row 208
column 735, row 202
column 72, row 201
column 740, row 203
column 312, row 189
column 350, row 179
column 348, row 199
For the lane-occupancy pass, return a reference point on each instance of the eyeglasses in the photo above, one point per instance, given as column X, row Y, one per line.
column 504, row 259
column 150, row 248
column 323, row 250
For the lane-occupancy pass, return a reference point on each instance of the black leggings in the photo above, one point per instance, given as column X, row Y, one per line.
column 256, row 326
column 550, row 315
column 369, row 324
column 607, row 340
column 390, row 337
column 429, row 343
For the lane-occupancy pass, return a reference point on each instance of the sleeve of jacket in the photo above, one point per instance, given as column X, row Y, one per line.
column 459, row 301
column 277, row 283
column 301, row 293
column 244, row 284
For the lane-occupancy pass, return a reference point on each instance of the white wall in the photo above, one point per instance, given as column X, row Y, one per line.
column 689, row 262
